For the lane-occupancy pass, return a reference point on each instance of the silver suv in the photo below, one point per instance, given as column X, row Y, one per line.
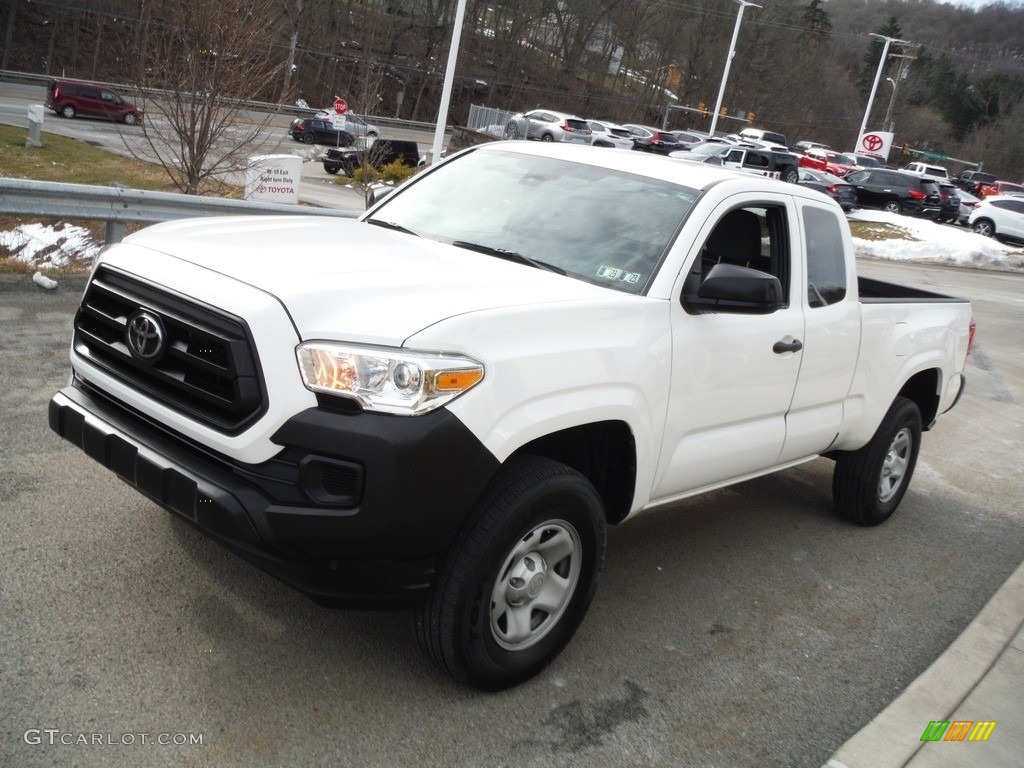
column 544, row 125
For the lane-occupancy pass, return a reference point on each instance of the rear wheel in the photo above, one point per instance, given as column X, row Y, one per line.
column 790, row 175
column 67, row 111
column 307, row 138
column 519, row 578
column 547, row 137
column 868, row 484
column 985, row 227
column 893, row 206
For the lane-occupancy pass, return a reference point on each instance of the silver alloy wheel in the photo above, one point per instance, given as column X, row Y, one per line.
column 984, row 228
column 894, row 466
column 535, row 585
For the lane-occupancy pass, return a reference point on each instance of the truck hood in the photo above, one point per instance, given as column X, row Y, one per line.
column 342, row 278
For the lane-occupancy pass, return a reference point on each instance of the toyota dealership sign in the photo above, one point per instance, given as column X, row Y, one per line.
column 877, row 143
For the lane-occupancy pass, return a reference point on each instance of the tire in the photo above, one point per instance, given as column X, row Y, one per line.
column 985, row 228
column 308, row 138
column 130, row 118
column 893, row 206
column 68, row 111
column 372, row 134
column 868, row 484
column 332, row 168
column 790, row 175
column 547, row 138
column 518, row 579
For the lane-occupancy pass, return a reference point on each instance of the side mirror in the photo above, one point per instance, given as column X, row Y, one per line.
column 730, row 287
column 378, row 192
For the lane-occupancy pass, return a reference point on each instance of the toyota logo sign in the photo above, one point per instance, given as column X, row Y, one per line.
column 145, row 336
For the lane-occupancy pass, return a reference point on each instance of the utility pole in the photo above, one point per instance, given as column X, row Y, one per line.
column 895, row 84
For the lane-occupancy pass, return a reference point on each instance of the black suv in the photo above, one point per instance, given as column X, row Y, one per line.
column 375, row 152
column 313, row 130
column 897, row 192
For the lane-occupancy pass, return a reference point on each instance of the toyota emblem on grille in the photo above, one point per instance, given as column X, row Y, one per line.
column 145, row 336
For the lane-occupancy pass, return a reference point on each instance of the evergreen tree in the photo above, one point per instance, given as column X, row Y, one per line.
column 816, row 22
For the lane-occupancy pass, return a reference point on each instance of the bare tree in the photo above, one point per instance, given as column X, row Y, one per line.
column 198, row 65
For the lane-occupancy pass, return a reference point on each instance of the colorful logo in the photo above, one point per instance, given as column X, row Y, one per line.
column 958, row 730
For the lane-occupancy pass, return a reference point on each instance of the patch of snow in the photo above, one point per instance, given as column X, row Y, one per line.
column 929, row 243
column 46, row 246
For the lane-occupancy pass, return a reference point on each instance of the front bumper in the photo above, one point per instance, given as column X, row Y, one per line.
column 356, row 509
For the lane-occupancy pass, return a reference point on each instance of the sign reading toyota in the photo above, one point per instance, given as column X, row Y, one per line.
column 877, row 143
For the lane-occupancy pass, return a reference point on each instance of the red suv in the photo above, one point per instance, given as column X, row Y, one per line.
column 70, row 98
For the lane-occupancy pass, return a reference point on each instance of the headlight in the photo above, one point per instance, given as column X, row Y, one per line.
column 386, row 380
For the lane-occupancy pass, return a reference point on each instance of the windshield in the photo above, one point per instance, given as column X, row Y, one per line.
column 604, row 226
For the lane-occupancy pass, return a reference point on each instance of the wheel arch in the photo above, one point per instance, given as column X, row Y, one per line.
column 924, row 389
column 604, row 452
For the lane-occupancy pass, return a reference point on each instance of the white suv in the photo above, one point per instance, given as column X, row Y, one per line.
column 544, row 125
column 931, row 171
column 999, row 217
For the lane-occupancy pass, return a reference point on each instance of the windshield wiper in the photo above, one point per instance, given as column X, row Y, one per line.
column 503, row 253
column 391, row 225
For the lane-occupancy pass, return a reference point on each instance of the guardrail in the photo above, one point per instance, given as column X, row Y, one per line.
column 119, row 205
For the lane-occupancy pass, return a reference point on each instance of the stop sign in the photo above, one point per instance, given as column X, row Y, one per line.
column 340, row 106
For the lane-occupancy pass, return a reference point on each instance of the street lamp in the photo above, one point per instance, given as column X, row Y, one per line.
column 878, row 76
column 892, row 98
column 728, row 62
column 449, row 77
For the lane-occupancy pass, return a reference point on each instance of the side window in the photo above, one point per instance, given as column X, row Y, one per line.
column 756, row 160
column 826, row 260
column 754, row 237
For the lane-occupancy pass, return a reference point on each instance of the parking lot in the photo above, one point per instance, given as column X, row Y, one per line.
column 746, row 627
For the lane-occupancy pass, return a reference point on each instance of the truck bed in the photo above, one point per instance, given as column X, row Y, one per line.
column 882, row 292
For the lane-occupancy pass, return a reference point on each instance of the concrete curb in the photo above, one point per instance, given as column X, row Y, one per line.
column 892, row 739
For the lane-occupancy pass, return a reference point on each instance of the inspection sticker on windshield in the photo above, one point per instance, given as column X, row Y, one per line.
column 613, row 273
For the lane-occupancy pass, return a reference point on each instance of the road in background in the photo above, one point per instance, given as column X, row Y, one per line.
column 317, row 187
column 749, row 626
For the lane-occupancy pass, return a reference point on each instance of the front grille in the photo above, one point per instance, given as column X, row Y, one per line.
column 208, row 370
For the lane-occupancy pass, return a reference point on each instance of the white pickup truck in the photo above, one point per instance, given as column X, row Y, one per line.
column 444, row 403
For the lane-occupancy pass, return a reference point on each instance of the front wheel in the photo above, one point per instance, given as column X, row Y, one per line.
column 868, row 484
column 985, row 227
column 130, row 118
column 790, row 175
column 519, row 577
column 332, row 168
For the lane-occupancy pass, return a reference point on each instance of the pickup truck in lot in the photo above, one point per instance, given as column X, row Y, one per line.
column 444, row 403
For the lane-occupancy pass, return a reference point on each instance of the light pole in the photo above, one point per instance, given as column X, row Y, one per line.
column 449, row 76
column 728, row 63
column 878, row 76
column 888, row 111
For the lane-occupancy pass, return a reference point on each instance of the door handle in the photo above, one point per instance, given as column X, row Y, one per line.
column 784, row 346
